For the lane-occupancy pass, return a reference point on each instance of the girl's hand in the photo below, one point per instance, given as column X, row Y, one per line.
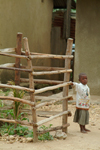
column 71, row 83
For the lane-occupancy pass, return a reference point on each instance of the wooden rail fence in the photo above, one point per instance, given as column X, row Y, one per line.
column 17, row 67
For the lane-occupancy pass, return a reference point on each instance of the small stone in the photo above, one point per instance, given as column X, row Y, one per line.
column 29, row 139
column 11, row 137
column 20, row 140
column 11, row 142
column 64, row 136
column 7, row 138
column 24, row 140
column 60, row 135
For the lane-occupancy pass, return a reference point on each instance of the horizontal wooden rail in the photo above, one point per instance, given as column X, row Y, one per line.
column 19, row 69
column 51, row 72
column 53, row 129
column 7, row 50
column 49, row 99
column 16, row 87
column 52, row 117
column 17, row 99
column 8, row 65
column 51, row 56
column 52, row 102
column 41, row 81
column 17, row 121
column 52, row 87
column 44, row 55
column 14, row 55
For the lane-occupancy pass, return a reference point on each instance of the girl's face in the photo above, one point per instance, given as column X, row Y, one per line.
column 83, row 79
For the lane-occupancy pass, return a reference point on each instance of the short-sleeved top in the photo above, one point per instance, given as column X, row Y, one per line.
column 82, row 96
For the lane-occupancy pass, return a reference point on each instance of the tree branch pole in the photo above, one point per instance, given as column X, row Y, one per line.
column 31, row 83
column 66, row 79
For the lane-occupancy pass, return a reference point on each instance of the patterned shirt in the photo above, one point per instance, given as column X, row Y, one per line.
column 82, row 96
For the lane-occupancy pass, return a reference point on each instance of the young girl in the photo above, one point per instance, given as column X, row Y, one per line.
column 81, row 115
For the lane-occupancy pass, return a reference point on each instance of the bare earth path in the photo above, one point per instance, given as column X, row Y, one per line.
column 75, row 140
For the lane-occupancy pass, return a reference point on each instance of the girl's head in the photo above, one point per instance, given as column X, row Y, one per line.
column 83, row 78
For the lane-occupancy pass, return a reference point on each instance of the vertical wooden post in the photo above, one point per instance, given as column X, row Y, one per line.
column 31, row 83
column 66, row 79
column 17, row 60
column 68, row 18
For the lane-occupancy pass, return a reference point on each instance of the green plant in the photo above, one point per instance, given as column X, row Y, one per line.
column 19, row 94
column 9, row 113
column 1, row 103
column 7, row 92
column 1, row 115
column 21, row 130
column 9, row 128
column 30, row 134
column 45, row 136
column 22, row 118
column 24, row 131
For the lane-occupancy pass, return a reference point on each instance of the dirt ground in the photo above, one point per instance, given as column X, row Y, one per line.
column 75, row 140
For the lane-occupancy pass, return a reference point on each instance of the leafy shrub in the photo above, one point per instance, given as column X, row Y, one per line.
column 24, row 131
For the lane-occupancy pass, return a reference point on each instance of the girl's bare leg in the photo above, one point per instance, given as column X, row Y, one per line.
column 82, row 129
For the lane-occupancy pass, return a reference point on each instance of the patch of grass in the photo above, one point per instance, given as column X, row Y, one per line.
column 9, row 128
column 24, row 131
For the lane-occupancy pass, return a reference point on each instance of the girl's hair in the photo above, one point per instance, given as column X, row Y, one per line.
column 81, row 74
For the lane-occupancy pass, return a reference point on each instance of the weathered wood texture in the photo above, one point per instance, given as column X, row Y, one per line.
column 16, row 87
column 16, row 121
column 52, row 129
column 8, row 65
column 53, row 101
column 16, row 69
column 17, row 100
column 47, row 99
column 51, row 72
column 52, row 117
column 51, row 56
column 17, row 60
column 7, row 50
column 31, row 84
column 52, row 87
column 66, row 79
column 13, row 55
column 43, row 55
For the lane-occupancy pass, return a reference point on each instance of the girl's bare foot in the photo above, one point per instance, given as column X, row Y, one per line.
column 82, row 129
column 87, row 130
